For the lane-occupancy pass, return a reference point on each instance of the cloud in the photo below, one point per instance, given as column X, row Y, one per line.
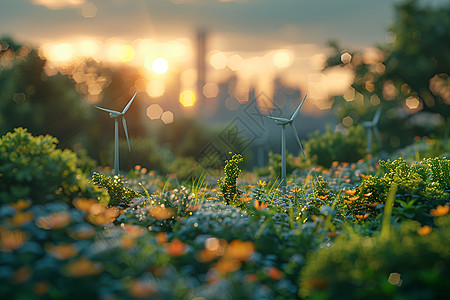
column 59, row 4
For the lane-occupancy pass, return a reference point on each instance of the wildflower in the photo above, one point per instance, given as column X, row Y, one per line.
column 261, row 183
column 141, row 289
column 62, row 251
column 11, row 239
column 322, row 197
column 246, row 199
column 41, row 288
column 240, row 250
column 54, row 221
column 350, row 192
column 175, row 248
column 335, row 163
column 161, row 238
column 260, row 205
column 251, row 277
column 368, row 194
column 83, row 267
column 353, row 198
column 21, row 204
column 362, row 217
column 22, row 218
column 274, row 273
column 227, row 265
column 425, row 230
column 440, row 210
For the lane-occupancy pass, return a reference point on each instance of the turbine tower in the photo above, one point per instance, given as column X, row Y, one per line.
column 283, row 122
column 371, row 128
column 116, row 115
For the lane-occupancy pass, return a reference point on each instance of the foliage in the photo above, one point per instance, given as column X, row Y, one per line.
column 385, row 76
column 336, row 146
column 412, row 264
column 32, row 168
column 118, row 193
column 42, row 104
column 227, row 184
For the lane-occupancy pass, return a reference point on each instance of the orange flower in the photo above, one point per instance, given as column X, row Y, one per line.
column 54, row 221
column 261, row 183
column 21, row 204
column 260, row 205
column 227, row 265
column 440, row 210
column 140, row 289
column 62, row 251
column 83, row 267
column 368, row 194
column 374, row 204
column 364, row 177
column 322, row 197
column 296, row 190
column 335, row 163
column 22, row 275
column 362, row 217
column 425, row 230
column 348, row 202
column 246, row 199
column 350, row 192
column 84, row 204
column 161, row 238
column 22, row 218
column 348, row 180
column 251, row 277
column 134, row 230
column 274, row 273
column 126, row 242
column 160, row 212
column 175, row 248
column 240, row 250
column 41, row 288
column 353, row 198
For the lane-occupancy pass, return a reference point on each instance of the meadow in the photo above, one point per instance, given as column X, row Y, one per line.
column 367, row 229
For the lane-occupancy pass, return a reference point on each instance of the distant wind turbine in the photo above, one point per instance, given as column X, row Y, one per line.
column 371, row 128
column 283, row 122
column 116, row 115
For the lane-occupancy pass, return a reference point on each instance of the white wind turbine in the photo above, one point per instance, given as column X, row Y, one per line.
column 371, row 128
column 116, row 115
column 283, row 122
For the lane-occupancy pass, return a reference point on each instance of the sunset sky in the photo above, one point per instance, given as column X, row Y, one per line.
column 258, row 40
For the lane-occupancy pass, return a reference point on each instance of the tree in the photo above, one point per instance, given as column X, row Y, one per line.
column 407, row 75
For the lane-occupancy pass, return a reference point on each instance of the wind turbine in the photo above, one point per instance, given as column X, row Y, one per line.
column 283, row 122
column 116, row 115
column 371, row 128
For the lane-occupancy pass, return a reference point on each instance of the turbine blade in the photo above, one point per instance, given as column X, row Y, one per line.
column 376, row 118
column 297, row 138
column 278, row 119
column 294, row 115
column 126, row 132
column 129, row 103
column 107, row 110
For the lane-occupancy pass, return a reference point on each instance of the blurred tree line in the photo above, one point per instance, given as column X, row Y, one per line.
column 408, row 75
column 414, row 66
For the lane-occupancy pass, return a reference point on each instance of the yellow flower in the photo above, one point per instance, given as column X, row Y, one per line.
column 425, row 230
column 261, row 183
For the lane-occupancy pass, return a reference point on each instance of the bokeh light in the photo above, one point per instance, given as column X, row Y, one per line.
column 156, row 88
column 347, row 121
column 160, row 65
column 282, row 59
column 154, row 111
column 412, row 102
column 89, row 10
column 218, row 60
column 167, row 117
column 346, row 58
column 187, row 98
column 235, row 62
column 59, row 52
column 210, row 90
column 126, row 53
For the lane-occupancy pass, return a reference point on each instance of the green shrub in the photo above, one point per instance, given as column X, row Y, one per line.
column 32, row 168
column 336, row 146
column 118, row 193
column 227, row 184
column 406, row 266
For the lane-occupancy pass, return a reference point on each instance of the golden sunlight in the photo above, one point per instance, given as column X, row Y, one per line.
column 412, row 102
column 156, row 88
column 218, row 60
column 59, row 52
column 160, row 65
column 282, row 59
column 187, row 98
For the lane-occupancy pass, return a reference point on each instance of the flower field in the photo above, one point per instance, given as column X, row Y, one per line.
column 368, row 229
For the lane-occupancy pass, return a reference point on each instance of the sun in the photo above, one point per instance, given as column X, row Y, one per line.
column 160, row 65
